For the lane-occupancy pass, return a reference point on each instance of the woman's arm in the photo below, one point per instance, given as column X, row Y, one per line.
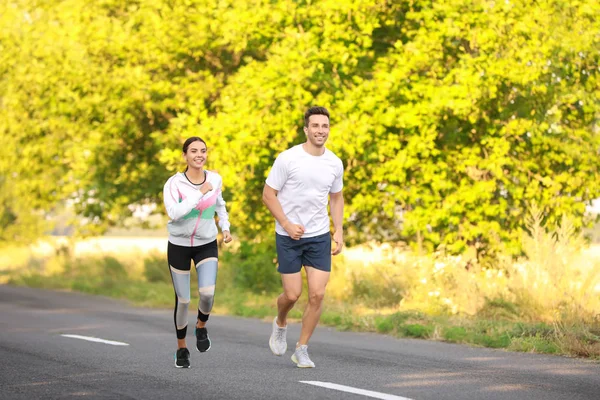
column 177, row 209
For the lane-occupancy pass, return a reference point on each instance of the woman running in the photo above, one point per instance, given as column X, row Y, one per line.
column 191, row 199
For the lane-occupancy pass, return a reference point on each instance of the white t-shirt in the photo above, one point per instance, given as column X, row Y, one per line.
column 303, row 182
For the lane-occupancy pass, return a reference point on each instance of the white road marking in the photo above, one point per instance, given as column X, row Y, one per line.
column 93, row 339
column 350, row 389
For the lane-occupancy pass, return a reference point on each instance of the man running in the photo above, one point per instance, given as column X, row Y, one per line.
column 296, row 193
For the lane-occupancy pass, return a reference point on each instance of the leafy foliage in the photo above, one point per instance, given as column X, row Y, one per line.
column 451, row 117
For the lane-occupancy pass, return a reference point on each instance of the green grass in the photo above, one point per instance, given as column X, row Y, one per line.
column 514, row 336
column 139, row 293
column 497, row 326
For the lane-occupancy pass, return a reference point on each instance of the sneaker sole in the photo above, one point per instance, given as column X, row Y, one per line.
column 203, row 351
column 180, row 366
column 295, row 360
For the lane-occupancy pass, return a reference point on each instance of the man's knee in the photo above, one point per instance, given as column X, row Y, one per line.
column 292, row 296
column 292, row 287
column 316, row 298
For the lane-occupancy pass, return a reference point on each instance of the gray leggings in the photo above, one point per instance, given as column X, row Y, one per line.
column 205, row 259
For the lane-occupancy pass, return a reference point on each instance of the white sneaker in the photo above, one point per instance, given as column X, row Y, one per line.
column 301, row 358
column 278, row 340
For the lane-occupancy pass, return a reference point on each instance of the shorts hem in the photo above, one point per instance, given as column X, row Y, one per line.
column 300, row 270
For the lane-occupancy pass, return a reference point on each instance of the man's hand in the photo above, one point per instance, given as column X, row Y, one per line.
column 227, row 237
column 206, row 187
column 338, row 238
column 294, row 230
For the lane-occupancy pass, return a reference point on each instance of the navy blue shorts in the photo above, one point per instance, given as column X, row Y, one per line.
column 311, row 252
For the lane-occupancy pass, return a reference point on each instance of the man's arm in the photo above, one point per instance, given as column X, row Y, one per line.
column 272, row 202
column 336, row 206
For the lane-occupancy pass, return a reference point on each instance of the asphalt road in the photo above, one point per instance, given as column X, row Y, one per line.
column 39, row 362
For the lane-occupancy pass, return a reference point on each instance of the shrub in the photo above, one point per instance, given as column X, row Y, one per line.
column 253, row 267
column 156, row 268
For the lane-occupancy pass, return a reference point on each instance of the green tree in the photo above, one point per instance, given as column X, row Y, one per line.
column 484, row 109
column 450, row 117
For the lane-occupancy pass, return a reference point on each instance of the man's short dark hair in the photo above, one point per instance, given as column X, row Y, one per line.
column 315, row 111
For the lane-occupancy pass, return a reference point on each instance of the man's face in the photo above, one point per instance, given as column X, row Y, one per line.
column 196, row 155
column 317, row 130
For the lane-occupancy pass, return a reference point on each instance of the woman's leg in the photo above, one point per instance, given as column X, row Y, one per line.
column 179, row 258
column 207, row 280
column 207, row 260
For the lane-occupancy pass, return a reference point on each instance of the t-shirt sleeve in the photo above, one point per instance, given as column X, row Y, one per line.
column 278, row 174
column 338, row 182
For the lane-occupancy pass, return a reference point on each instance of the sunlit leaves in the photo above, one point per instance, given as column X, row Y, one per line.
column 451, row 117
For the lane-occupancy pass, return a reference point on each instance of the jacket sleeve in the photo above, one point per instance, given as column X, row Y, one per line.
column 176, row 209
column 222, row 212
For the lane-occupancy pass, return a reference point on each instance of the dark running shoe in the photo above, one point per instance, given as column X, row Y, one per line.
column 182, row 358
column 202, row 340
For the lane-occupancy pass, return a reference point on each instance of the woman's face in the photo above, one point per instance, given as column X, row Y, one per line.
column 196, row 155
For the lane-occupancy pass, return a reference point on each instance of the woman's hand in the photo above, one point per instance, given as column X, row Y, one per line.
column 206, row 187
column 227, row 237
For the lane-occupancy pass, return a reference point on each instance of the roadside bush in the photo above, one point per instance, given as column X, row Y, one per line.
column 253, row 267
column 156, row 268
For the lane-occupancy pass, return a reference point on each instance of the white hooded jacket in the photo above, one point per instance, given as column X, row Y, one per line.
column 192, row 214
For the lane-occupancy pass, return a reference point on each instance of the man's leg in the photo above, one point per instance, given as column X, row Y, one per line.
column 317, row 282
column 292, row 289
column 289, row 255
